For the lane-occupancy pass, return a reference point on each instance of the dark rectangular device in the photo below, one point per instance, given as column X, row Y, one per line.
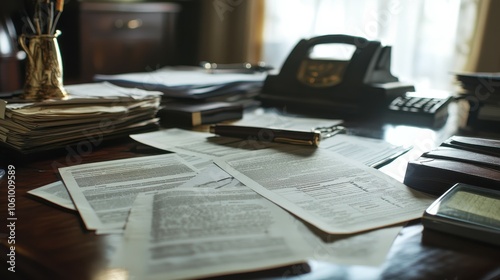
column 418, row 110
column 334, row 87
column 468, row 211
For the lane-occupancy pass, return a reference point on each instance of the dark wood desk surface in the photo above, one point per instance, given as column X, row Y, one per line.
column 52, row 242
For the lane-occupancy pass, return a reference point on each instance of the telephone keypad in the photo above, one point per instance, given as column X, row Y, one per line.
column 427, row 111
column 424, row 105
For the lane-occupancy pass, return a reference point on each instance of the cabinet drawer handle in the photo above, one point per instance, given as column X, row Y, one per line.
column 134, row 23
column 131, row 24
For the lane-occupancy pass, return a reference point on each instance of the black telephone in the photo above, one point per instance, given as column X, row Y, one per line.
column 359, row 86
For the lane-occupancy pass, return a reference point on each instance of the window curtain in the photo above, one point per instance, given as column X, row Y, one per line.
column 231, row 31
column 485, row 54
column 430, row 38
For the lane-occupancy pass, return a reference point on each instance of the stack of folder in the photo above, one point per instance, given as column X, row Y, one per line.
column 459, row 159
column 192, row 84
column 193, row 96
column 482, row 90
column 90, row 112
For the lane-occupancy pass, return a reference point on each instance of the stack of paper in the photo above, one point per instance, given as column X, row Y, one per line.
column 91, row 111
column 190, row 83
column 481, row 90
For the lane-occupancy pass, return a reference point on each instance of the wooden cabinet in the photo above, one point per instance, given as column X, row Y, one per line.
column 10, row 78
column 126, row 37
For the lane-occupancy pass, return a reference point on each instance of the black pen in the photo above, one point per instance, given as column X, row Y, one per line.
column 267, row 134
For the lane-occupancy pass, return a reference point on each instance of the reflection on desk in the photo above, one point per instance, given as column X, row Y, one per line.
column 52, row 242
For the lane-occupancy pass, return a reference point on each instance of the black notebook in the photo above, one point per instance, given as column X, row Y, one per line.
column 194, row 114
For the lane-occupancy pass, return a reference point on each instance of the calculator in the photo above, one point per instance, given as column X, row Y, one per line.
column 418, row 110
column 469, row 211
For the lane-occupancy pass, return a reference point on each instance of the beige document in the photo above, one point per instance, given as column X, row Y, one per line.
column 369, row 151
column 176, row 77
column 104, row 192
column 56, row 193
column 204, row 145
column 366, row 249
column 329, row 191
column 372, row 152
column 272, row 119
column 190, row 222
column 187, row 233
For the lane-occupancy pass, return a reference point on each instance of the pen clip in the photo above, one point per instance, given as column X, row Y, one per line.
column 329, row 131
column 312, row 142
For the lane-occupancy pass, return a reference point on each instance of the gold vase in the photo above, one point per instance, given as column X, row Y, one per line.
column 44, row 73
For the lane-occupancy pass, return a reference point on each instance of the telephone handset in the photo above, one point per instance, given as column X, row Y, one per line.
column 357, row 86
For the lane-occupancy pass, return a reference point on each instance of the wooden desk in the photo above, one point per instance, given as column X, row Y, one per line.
column 52, row 243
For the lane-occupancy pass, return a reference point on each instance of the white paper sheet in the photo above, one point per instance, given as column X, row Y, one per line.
column 56, row 193
column 188, row 233
column 372, row 152
column 366, row 249
column 270, row 119
column 204, row 145
column 362, row 249
column 104, row 192
column 172, row 77
column 331, row 192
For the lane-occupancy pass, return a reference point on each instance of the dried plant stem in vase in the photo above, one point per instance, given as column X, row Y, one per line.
column 44, row 71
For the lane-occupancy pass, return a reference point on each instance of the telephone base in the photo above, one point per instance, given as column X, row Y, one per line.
column 376, row 97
